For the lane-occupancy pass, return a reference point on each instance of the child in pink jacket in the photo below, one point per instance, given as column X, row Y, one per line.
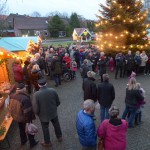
column 111, row 64
column 113, row 131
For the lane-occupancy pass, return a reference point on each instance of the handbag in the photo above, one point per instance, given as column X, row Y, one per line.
column 31, row 128
column 100, row 144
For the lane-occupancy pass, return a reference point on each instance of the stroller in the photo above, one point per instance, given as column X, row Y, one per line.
column 67, row 74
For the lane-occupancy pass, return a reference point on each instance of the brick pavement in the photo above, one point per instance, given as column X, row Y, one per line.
column 70, row 94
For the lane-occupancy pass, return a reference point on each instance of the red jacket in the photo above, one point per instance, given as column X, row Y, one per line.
column 18, row 72
column 67, row 60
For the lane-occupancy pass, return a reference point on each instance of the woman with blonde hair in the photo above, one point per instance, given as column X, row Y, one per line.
column 133, row 96
column 36, row 74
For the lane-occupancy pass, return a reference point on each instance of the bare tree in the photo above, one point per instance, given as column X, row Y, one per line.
column 3, row 11
column 3, row 7
column 54, row 13
column 36, row 14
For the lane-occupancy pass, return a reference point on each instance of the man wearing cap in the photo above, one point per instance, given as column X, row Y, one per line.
column 105, row 96
column 45, row 103
column 21, row 111
column 89, row 87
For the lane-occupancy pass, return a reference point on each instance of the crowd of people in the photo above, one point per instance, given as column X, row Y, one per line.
column 50, row 64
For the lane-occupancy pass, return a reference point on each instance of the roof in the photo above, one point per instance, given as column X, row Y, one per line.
column 80, row 31
column 14, row 44
column 31, row 23
column 3, row 17
column 27, row 22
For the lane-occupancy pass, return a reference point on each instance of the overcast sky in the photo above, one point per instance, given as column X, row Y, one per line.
column 86, row 8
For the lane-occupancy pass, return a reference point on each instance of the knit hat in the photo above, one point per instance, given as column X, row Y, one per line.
column 42, row 81
column 20, row 86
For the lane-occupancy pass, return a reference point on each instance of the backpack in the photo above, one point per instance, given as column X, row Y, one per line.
column 15, row 109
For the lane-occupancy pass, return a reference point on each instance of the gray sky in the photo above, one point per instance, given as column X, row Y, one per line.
column 86, row 8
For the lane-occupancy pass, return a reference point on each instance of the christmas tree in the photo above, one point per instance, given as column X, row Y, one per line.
column 122, row 26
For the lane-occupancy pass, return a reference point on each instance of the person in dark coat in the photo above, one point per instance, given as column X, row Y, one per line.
column 45, row 103
column 102, row 66
column 22, row 113
column 89, row 87
column 56, row 68
column 119, row 64
column 84, row 69
column 129, row 63
column 105, row 96
column 132, row 98
column 41, row 62
column 26, row 76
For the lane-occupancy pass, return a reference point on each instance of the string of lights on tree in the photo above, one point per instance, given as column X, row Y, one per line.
column 117, row 19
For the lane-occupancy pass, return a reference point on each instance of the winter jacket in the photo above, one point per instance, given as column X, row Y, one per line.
column 83, row 70
column 137, row 59
column 133, row 97
column 56, row 66
column 21, row 108
column 18, row 72
column 114, row 136
column 41, row 63
column 105, row 94
column 35, row 76
column 90, row 89
column 45, row 103
column 102, row 66
column 144, row 59
column 68, row 61
column 86, row 129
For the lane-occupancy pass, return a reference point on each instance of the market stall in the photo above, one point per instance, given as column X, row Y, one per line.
column 7, row 86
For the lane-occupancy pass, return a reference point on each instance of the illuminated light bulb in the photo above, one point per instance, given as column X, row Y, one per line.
column 116, row 37
column 110, row 34
column 118, row 16
column 1, row 53
column 124, row 20
column 127, row 32
column 123, row 47
column 113, row 19
column 131, row 21
column 144, row 32
column 114, row 1
column 106, row 21
column 132, row 35
column 138, row 35
column 131, row 46
column 110, row 45
column 128, row 7
column 121, row 35
column 141, row 46
column 106, row 34
column 117, row 46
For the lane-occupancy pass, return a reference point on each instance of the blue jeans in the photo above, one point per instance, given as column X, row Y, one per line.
column 104, row 113
column 132, row 111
